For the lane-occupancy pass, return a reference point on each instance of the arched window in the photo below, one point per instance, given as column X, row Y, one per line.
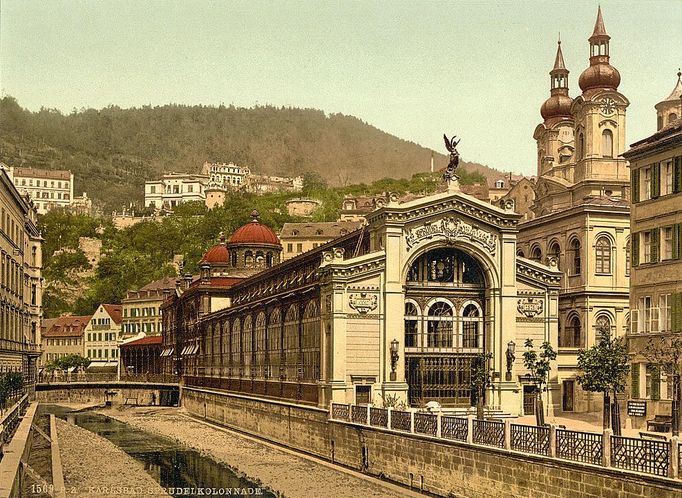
column 311, row 342
column 248, row 259
column 268, row 259
column 233, row 258
column 603, row 255
column 440, row 322
column 607, row 143
column 536, row 254
column 411, row 325
column 520, row 254
column 274, row 344
column 260, row 259
column 672, row 117
column 571, row 335
column 446, row 266
column 575, row 257
column 291, row 343
column 235, row 351
column 602, row 326
column 472, row 327
column 555, row 253
column 247, row 347
column 260, row 346
column 581, row 145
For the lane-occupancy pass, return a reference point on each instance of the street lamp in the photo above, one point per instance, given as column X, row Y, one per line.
column 511, row 349
column 394, row 358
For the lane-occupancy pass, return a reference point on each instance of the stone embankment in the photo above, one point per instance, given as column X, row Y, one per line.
column 96, row 468
column 284, row 471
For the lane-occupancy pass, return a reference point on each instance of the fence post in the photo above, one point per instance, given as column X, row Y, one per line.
column 675, row 457
column 412, row 420
column 439, row 418
column 388, row 417
column 552, row 440
column 507, row 434
column 470, row 429
column 331, row 410
column 367, row 420
column 606, row 447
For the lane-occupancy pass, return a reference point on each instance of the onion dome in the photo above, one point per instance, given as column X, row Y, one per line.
column 218, row 254
column 600, row 74
column 254, row 233
column 559, row 104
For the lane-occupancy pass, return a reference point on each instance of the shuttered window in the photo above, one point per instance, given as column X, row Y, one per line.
column 635, row 249
column 676, row 241
column 655, row 245
column 655, row 180
column 634, row 190
column 634, row 381
column 676, row 312
column 677, row 175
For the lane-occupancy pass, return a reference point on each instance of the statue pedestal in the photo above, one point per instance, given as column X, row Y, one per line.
column 453, row 183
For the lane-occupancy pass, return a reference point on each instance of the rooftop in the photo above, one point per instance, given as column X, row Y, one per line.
column 42, row 173
column 325, row 229
column 65, row 326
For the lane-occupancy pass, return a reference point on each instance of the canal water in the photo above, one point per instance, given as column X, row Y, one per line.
column 169, row 463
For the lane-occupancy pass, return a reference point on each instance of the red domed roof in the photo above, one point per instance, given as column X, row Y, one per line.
column 254, row 233
column 216, row 254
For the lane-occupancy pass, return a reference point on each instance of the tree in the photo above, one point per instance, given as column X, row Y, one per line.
column 666, row 354
column 11, row 384
column 67, row 362
column 604, row 368
column 539, row 366
column 481, row 379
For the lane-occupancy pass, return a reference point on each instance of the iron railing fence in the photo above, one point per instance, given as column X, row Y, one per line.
column 579, row 446
column 456, row 428
column 641, row 455
column 378, row 417
column 489, row 433
column 530, row 439
column 426, row 423
column 401, row 421
column 340, row 411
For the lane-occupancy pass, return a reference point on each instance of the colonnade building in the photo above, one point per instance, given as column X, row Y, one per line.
column 399, row 307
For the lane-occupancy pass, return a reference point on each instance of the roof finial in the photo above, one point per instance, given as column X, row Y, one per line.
column 255, row 215
column 222, row 237
column 559, row 61
column 599, row 29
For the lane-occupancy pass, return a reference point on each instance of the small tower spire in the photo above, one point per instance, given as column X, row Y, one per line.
column 559, row 73
column 599, row 41
column 599, row 29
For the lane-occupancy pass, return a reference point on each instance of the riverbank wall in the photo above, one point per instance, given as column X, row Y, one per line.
column 442, row 467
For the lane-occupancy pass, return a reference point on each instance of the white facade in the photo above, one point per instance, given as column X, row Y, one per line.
column 48, row 189
column 226, row 175
column 174, row 189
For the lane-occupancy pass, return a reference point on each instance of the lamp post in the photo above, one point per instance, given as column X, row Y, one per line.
column 511, row 349
column 394, row 358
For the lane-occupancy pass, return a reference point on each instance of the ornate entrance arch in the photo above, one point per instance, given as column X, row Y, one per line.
column 445, row 303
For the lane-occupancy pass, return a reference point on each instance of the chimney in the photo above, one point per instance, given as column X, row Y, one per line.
column 188, row 279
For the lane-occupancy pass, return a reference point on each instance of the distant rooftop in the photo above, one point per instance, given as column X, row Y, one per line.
column 54, row 174
column 325, row 229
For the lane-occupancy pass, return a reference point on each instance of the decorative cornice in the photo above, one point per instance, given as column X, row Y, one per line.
column 536, row 272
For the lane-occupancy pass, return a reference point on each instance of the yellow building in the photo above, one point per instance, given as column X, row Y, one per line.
column 298, row 238
column 20, row 282
column 101, row 336
column 63, row 336
column 656, row 279
column 141, row 308
column 581, row 211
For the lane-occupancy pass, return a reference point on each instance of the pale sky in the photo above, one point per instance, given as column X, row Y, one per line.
column 413, row 69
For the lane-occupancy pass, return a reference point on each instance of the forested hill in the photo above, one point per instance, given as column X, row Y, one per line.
column 112, row 151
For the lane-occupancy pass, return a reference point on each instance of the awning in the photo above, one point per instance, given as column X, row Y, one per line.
column 167, row 352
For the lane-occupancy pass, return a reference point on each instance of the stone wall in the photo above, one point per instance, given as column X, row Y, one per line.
column 444, row 468
column 95, row 395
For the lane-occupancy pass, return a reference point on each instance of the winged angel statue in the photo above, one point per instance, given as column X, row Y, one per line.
column 451, row 145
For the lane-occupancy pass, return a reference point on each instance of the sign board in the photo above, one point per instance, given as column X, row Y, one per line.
column 636, row 408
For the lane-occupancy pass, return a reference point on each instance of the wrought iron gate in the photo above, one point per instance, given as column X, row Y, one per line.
column 442, row 378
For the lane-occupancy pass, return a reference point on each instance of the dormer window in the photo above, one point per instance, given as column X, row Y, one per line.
column 499, row 184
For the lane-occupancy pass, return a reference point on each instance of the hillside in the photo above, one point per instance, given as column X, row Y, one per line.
column 112, row 151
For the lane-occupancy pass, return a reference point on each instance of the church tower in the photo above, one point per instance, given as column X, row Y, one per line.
column 599, row 115
column 554, row 136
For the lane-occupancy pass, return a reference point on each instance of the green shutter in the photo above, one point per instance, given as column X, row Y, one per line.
column 655, row 383
column 634, row 381
column 655, row 180
column 676, row 311
column 676, row 241
column 677, row 175
column 655, row 243
column 634, row 194
column 634, row 249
